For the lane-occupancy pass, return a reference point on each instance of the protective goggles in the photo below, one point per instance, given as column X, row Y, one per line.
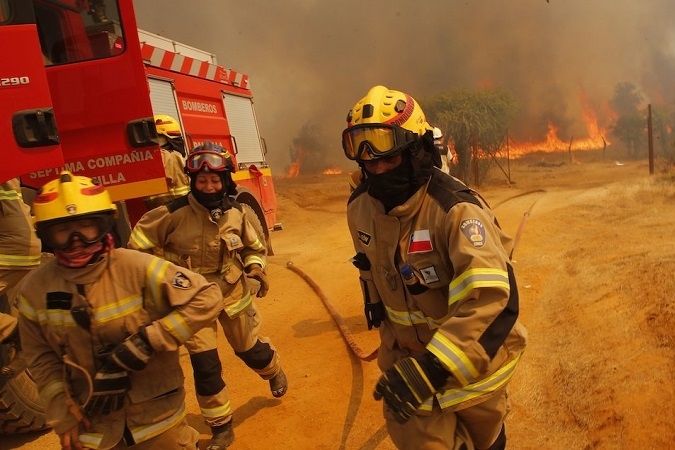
column 373, row 141
column 60, row 235
column 203, row 160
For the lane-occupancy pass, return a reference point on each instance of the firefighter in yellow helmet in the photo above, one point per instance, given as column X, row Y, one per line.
column 172, row 150
column 437, row 282
column 20, row 251
column 101, row 327
column 209, row 232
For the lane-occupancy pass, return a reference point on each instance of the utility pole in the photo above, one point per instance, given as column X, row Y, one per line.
column 650, row 140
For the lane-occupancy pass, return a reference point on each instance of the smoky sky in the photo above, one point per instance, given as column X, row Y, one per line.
column 309, row 61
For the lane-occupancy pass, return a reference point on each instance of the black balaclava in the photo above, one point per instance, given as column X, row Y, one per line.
column 216, row 202
column 396, row 186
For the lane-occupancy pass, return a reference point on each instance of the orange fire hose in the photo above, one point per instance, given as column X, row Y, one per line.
column 526, row 214
column 344, row 330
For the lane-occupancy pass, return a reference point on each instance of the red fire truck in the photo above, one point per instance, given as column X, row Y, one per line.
column 79, row 86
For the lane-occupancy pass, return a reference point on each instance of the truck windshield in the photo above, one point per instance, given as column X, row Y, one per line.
column 78, row 30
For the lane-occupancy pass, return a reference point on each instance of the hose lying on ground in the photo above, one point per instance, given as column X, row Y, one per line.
column 526, row 214
column 344, row 330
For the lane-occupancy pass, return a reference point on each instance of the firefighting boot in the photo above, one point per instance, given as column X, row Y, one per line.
column 17, row 363
column 223, row 437
column 279, row 384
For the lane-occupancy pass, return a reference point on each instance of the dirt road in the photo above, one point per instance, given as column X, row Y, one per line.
column 594, row 267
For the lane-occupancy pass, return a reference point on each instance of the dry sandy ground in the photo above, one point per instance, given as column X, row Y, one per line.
column 594, row 262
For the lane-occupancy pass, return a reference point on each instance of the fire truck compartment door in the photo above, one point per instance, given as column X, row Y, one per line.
column 29, row 138
column 244, row 129
column 163, row 98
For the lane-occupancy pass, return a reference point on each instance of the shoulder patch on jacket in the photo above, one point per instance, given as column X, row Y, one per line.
column 447, row 191
column 178, row 203
column 181, row 281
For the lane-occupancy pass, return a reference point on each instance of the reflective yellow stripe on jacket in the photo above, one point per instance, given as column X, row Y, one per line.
column 472, row 392
column 64, row 318
column 173, row 322
column 140, row 240
column 141, row 433
column 476, row 279
column 13, row 260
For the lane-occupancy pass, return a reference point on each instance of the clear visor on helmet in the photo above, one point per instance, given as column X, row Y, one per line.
column 61, row 234
column 373, row 141
column 214, row 161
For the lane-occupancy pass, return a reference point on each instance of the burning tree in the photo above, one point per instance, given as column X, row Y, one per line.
column 475, row 122
column 631, row 122
column 307, row 153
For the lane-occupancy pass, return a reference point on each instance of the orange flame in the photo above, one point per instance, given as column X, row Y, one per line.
column 332, row 171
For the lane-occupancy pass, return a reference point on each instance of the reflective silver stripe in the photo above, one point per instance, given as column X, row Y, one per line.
column 118, row 309
column 141, row 240
column 19, row 260
column 242, row 304
column 51, row 390
column 455, row 397
column 143, row 433
column 56, row 317
column 176, row 325
column 254, row 259
column 453, row 358
column 477, row 278
column 91, row 440
column 10, row 194
column 257, row 245
column 154, row 275
column 497, row 380
column 406, row 318
column 220, row 411
column 27, row 309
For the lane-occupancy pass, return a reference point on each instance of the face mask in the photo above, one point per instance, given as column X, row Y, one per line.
column 393, row 187
column 209, row 200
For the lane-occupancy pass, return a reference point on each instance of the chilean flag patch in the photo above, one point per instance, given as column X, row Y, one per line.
column 420, row 242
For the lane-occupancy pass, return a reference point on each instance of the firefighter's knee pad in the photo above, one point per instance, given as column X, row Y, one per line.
column 207, row 371
column 258, row 357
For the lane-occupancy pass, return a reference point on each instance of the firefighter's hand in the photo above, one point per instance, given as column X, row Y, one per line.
column 70, row 440
column 256, row 272
column 134, row 352
column 409, row 383
column 111, row 382
column 374, row 314
column 110, row 386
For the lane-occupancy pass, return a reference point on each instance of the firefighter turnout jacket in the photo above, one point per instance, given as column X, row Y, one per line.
column 120, row 293
column 185, row 233
column 467, row 313
column 20, row 247
column 177, row 181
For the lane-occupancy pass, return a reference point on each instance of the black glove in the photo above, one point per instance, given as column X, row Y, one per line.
column 255, row 271
column 409, row 383
column 110, row 386
column 375, row 314
column 111, row 382
column 134, row 352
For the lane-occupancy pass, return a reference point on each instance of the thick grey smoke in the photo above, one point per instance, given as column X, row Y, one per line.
column 309, row 61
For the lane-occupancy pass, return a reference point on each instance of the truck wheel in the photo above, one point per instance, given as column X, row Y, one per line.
column 20, row 408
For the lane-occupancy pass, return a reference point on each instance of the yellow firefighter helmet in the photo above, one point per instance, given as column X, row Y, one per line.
column 382, row 123
column 167, row 126
column 71, row 196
